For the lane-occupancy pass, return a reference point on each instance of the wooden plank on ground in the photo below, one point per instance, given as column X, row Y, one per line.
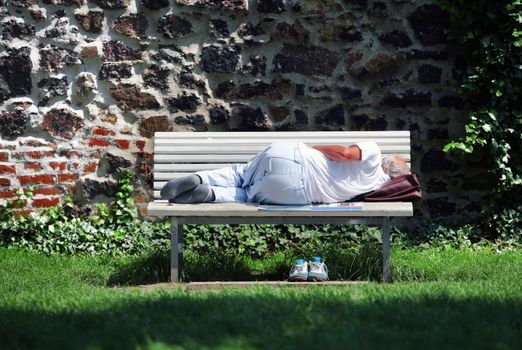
column 219, row 285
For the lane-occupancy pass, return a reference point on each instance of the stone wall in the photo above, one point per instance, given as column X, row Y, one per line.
column 85, row 84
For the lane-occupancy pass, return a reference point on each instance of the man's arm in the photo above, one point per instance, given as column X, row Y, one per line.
column 340, row 153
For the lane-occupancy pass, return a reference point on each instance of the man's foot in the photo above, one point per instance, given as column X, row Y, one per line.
column 175, row 187
column 299, row 272
column 317, row 270
column 199, row 194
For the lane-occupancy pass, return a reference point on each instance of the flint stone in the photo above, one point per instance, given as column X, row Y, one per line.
column 305, row 60
column 270, row 6
column 89, row 52
column 332, row 116
column 24, row 3
column 91, row 22
column 92, row 187
column 292, row 32
column 13, row 124
column 440, row 207
column 301, row 118
column 429, row 74
column 357, row 3
column 151, row 125
column 340, row 33
column 172, row 26
column 53, row 58
column 233, row 5
column 62, row 123
column 116, row 163
column 435, row 160
column 194, row 119
column 460, row 68
column 54, row 86
column 185, row 103
column 427, row 55
column 451, row 102
column 247, row 30
column 187, row 79
column 154, row 4
column 157, row 77
column 428, row 23
column 119, row 70
column 377, row 64
column 255, row 89
column 219, row 28
column 409, row 98
column 256, row 66
column 133, row 25
column 15, row 73
column 379, row 9
column 252, row 119
column 279, row 113
column 397, row 38
column 130, row 97
column 37, row 15
column 215, row 59
column 14, row 29
column 348, row 93
column 84, row 88
column 168, row 56
column 218, row 114
column 111, row 4
column 64, row 2
column 119, row 51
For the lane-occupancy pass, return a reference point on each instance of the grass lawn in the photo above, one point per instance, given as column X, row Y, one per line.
column 440, row 299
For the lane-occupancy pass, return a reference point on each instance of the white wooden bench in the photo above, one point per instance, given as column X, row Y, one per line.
column 181, row 153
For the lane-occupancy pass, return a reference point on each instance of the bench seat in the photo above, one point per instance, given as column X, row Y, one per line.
column 179, row 154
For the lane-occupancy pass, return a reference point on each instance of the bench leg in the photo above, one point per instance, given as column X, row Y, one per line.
column 176, row 249
column 386, row 278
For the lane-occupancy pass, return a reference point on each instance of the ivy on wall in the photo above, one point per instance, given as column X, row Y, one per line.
column 490, row 35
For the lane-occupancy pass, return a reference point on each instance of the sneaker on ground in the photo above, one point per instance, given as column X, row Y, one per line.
column 299, row 272
column 317, row 270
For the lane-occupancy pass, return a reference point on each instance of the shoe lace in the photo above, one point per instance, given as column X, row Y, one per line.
column 318, row 265
column 299, row 268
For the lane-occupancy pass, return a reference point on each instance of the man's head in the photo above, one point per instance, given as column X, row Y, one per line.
column 394, row 165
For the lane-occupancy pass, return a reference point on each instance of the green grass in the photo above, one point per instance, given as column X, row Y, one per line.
column 441, row 299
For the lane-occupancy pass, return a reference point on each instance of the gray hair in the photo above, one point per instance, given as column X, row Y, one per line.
column 394, row 165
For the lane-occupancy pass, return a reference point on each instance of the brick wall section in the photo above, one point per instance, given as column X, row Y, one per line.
column 85, row 84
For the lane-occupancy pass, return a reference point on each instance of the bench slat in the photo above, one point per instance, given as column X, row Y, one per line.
column 265, row 142
column 251, row 210
column 247, row 149
column 283, row 134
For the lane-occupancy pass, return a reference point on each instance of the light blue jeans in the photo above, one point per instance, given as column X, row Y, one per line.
column 273, row 176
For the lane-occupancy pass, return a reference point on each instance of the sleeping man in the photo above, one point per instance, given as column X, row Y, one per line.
column 291, row 173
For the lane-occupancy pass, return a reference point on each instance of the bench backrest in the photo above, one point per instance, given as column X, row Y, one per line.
column 182, row 153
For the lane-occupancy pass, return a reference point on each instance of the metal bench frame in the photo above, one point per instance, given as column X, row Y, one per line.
column 182, row 153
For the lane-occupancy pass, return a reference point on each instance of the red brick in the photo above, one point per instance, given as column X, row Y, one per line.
column 73, row 153
column 99, row 131
column 8, row 194
column 5, row 182
column 35, row 154
column 98, row 143
column 4, row 156
column 7, row 169
column 124, row 144
column 140, row 144
column 36, row 179
column 67, row 177
column 58, row 165
column 90, row 167
column 24, row 212
column 32, row 166
column 45, row 202
column 48, row 191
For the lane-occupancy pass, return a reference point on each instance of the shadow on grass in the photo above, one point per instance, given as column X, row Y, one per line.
column 344, row 263
column 270, row 321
